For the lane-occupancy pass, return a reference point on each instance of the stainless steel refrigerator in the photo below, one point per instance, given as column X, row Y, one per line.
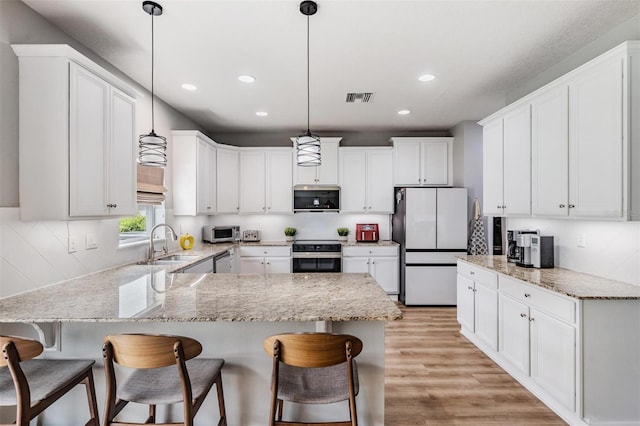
column 431, row 226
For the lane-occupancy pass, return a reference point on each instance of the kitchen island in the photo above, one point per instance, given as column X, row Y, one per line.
column 229, row 314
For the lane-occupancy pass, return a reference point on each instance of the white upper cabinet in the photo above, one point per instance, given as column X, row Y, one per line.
column 326, row 173
column 423, row 161
column 77, row 143
column 596, row 142
column 506, row 163
column 366, row 180
column 550, row 153
column 266, row 181
column 585, row 139
column 227, row 180
column 194, row 173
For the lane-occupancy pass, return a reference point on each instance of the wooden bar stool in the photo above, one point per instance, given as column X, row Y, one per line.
column 313, row 368
column 165, row 373
column 32, row 385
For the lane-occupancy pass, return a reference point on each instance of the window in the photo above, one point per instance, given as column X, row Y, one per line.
column 137, row 228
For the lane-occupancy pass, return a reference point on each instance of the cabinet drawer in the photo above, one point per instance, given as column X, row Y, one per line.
column 555, row 304
column 256, row 251
column 367, row 251
column 487, row 278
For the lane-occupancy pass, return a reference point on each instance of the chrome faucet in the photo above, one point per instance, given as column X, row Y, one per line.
column 152, row 250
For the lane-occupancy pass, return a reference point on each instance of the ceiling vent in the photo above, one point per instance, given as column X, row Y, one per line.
column 363, row 97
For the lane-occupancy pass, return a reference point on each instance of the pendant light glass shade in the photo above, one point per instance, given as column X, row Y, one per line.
column 308, row 144
column 152, row 147
column 308, row 150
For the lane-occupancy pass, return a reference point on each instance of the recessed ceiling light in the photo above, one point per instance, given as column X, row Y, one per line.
column 427, row 77
column 262, row 113
column 404, row 112
column 246, row 78
column 188, row 86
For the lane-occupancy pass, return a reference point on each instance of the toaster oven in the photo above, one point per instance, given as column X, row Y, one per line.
column 220, row 234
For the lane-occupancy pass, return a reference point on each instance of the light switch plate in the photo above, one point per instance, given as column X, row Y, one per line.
column 91, row 241
column 72, row 245
column 582, row 239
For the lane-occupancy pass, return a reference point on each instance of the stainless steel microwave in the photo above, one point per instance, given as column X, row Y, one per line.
column 313, row 198
column 220, row 234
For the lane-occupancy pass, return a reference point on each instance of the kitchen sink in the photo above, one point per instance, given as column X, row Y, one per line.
column 167, row 260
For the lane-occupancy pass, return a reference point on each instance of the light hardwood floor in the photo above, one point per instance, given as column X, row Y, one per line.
column 434, row 376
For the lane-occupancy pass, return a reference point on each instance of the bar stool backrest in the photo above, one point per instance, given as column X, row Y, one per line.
column 25, row 348
column 150, row 351
column 310, row 350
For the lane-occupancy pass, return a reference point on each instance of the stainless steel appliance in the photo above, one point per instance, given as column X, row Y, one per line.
column 542, row 251
column 430, row 224
column 513, row 251
column 220, row 234
column 309, row 198
column 317, row 256
column 524, row 246
column 251, row 235
column 367, row 232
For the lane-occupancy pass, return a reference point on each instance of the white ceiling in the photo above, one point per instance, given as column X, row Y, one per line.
column 478, row 50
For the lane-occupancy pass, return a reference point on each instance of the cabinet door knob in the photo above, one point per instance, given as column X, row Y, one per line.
column 264, row 208
column 115, row 205
column 523, row 315
column 571, row 206
column 469, row 288
column 498, row 207
column 562, row 206
column 527, row 295
column 531, row 319
column 471, row 273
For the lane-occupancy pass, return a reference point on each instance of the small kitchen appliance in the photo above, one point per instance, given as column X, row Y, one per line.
column 524, row 248
column 542, row 251
column 251, row 235
column 220, row 234
column 367, row 232
column 513, row 251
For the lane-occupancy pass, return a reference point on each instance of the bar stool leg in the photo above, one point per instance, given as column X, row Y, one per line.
column 223, row 412
column 91, row 398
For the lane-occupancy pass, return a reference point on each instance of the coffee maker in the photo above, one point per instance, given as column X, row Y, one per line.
column 513, row 250
column 524, row 247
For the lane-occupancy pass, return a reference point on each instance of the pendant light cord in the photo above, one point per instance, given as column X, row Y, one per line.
column 308, row 96
column 152, row 60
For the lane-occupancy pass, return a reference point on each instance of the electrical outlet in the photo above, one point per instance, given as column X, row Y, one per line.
column 72, row 245
column 90, row 241
column 582, row 239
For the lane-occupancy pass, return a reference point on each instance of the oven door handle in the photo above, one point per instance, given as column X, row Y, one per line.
column 312, row 255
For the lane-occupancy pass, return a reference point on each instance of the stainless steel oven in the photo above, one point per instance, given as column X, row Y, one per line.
column 317, row 256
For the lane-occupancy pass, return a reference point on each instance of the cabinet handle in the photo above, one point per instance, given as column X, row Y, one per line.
column 364, row 208
column 238, row 208
column 471, row 273
column 109, row 205
column 571, row 206
column 498, row 207
column 115, row 205
column 523, row 315
column 531, row 319
column 527, row 295
column 264, row 208
column 562, row 206
column 470, row 288
column 208, row 207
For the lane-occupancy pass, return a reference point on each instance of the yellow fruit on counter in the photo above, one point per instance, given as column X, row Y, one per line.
column 186, row 241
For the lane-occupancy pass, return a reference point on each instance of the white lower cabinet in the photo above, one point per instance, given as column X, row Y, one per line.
column 581, row 357
column 536, row 341
column 477, row 301
column 380, row 262
column 265, row 260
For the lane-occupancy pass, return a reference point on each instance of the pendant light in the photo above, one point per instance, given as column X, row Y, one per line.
column 153, row 148
column 308, row 144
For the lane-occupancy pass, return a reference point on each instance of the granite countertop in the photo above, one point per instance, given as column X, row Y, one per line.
column 153, row 293
column 564, row 281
